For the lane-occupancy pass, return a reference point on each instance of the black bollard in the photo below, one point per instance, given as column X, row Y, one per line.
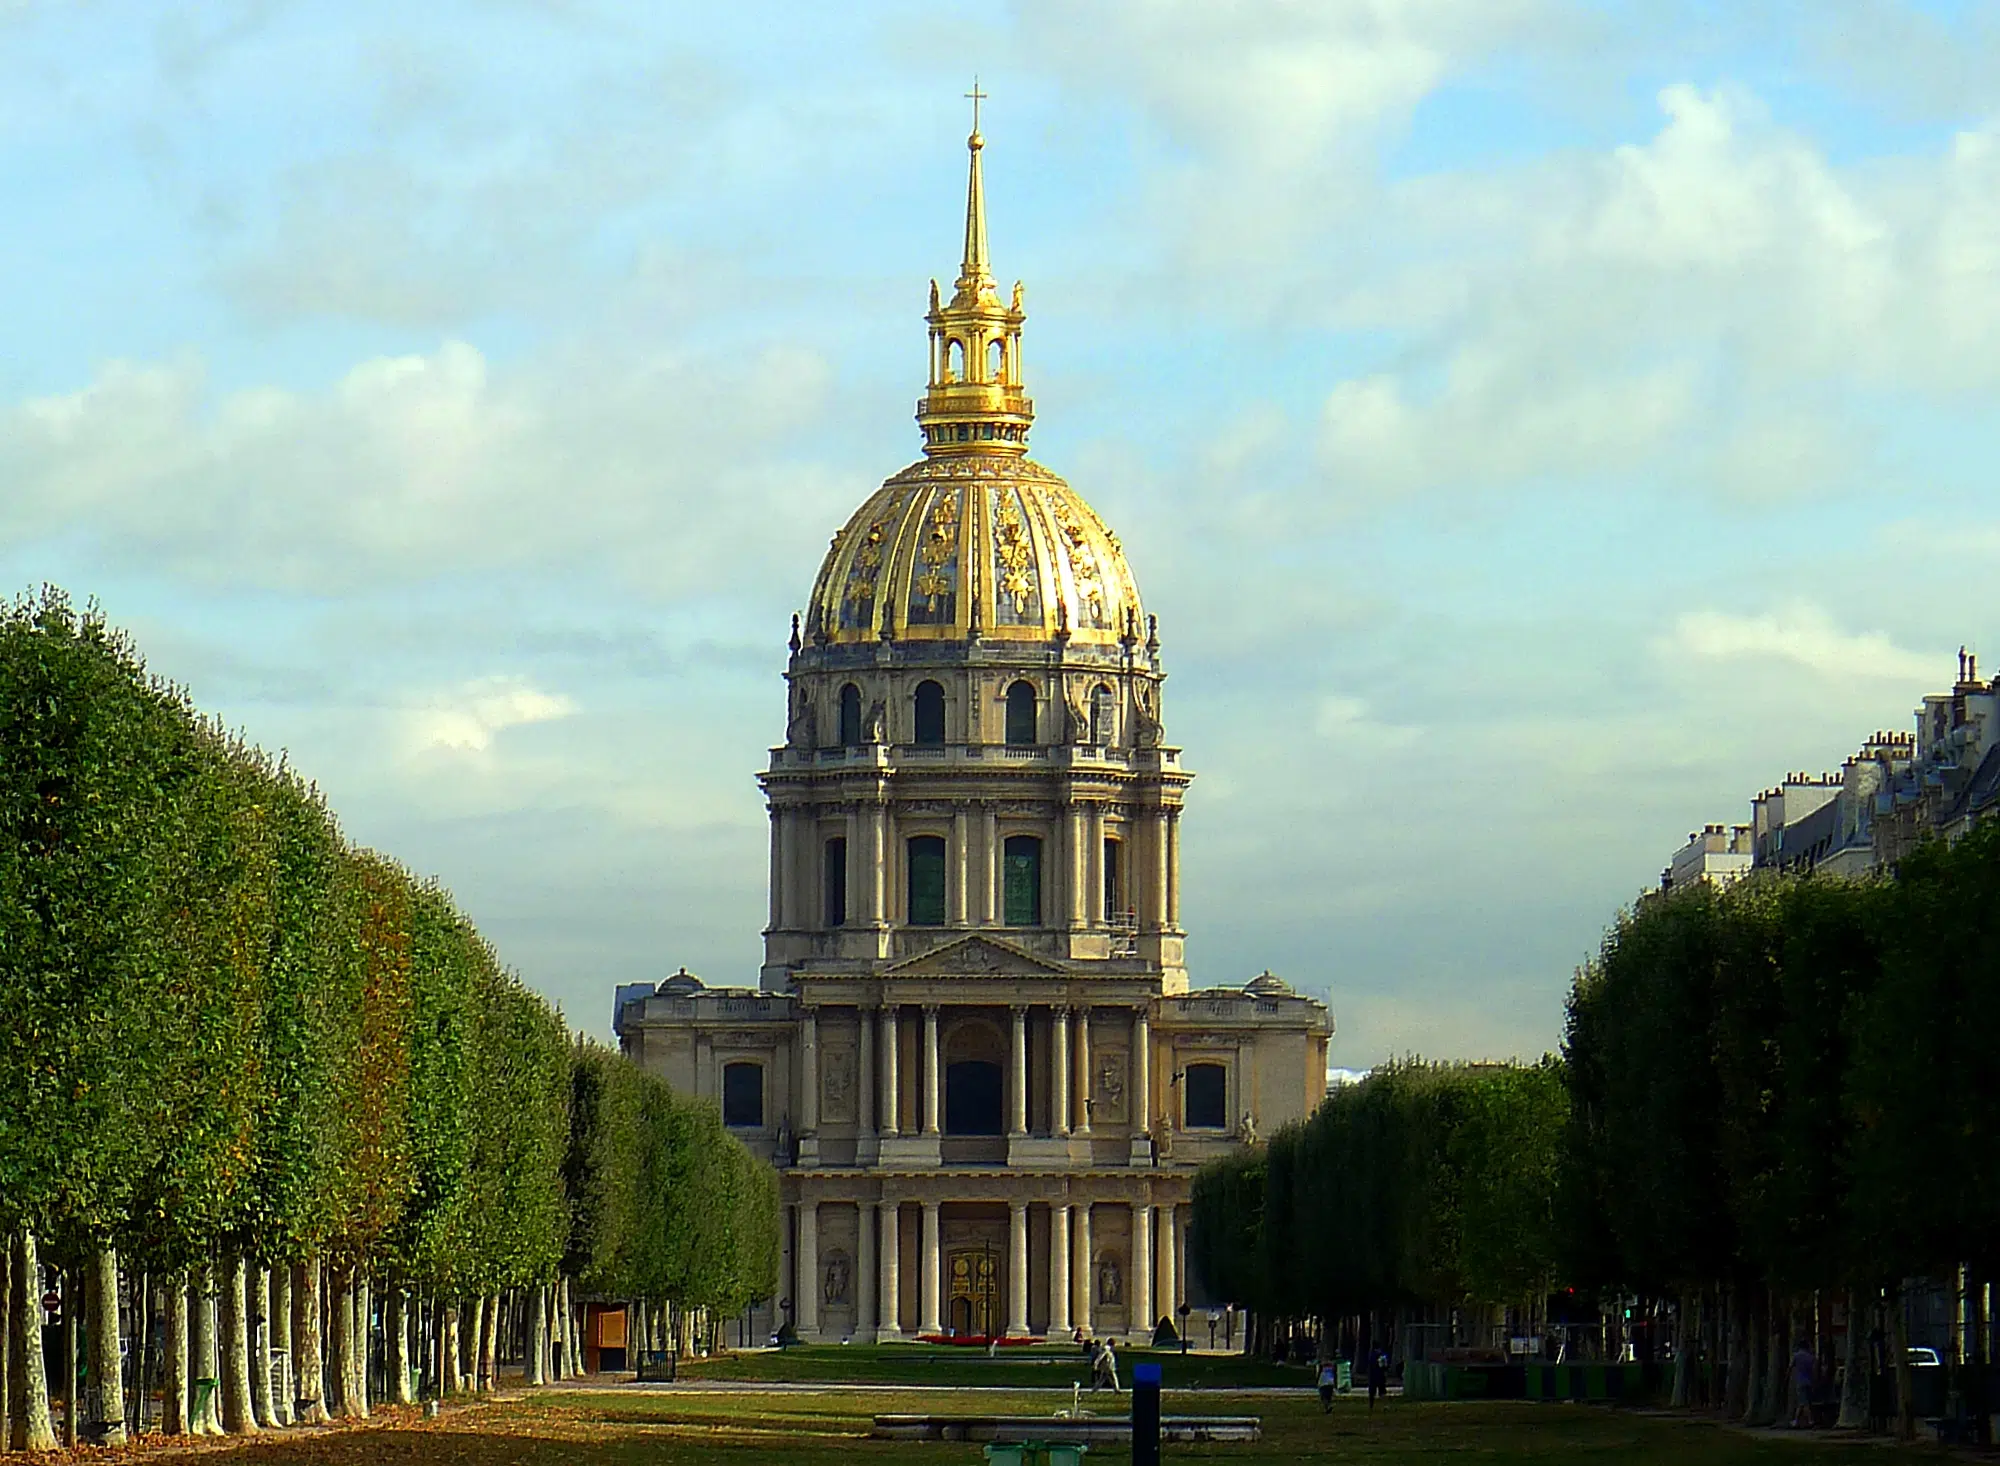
column 1145, row 1415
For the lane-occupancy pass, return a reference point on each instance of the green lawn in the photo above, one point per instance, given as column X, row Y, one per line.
column 792, row 1429
column 1029, row 1367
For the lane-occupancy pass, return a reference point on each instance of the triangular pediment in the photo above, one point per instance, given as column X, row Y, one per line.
column 977, row 957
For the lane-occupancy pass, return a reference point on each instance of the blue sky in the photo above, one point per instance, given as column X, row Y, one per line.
column 1537, row 425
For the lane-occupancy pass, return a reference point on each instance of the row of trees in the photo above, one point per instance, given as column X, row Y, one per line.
column 1787, row 1092
column 264, row 1081
column 1424, row 1184
column 1775, row 1103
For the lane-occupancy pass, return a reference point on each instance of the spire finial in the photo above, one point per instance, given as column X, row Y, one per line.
column 973, row 271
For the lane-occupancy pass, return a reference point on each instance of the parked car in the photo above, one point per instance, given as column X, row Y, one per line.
column 1923, row 1357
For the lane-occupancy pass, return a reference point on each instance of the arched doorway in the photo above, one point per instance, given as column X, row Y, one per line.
column 974, row 1078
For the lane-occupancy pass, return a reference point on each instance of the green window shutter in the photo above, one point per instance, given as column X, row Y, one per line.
column 1022, row 880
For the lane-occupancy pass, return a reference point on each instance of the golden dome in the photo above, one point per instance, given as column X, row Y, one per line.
column 976, row 539
column 972, row 544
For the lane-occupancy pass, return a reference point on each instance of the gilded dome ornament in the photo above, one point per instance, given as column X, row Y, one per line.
column 975, row 539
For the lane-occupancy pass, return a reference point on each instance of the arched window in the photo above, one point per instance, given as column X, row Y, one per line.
column 833, row 880
column 996, row 361
column 1021, row 880
column 1114, row 878
column 1021, row 715
column 1100, row 716
column 1206, row 1101
column 954, row 360
column 930, row 715
column 924, row 873
column 850, row 715
column 743, row 1095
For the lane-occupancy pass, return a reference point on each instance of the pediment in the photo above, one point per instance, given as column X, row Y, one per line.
column 977, row 957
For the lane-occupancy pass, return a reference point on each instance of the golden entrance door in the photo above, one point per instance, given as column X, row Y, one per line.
column 973, row 1296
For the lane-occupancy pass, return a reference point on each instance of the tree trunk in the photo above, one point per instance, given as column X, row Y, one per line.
column 1899, row 1347
column 283, row 1391
column 257, row 1298
column 107, row 1383
column 396, row 1343
column 473, row 1340
column 489, row 1345
column 1777, row 1352
column 308, row 1367
column 1685, row 1333
column 1759, row 1322
column 207, row 1363
column 1854, row 1379
column 363, row 1331
column 450, row 1382
column 6, row 1339
column 174, row 1397
column 339, row 1325
column 233, row 1380
column 538, row 1331
column 30, row 1428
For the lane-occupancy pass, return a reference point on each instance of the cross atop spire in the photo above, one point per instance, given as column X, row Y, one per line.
column 975, row 277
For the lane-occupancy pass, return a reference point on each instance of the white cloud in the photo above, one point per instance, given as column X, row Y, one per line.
column 1801, row 634
column 424, row 465
column 467, row 718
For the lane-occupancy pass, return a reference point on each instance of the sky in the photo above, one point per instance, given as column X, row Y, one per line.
column 1537, row 425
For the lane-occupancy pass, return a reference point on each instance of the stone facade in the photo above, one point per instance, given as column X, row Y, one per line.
column 974, row 1055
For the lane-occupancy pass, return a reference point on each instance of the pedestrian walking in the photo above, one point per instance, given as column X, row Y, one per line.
column 1805, row 1370
column 1327, row 1379
column 1104, row 1368
column 1378, row 1377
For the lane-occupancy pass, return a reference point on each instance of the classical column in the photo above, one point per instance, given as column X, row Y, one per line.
column 1078, row 867
column 889, row 1242
column 1083, row 1281
column 864, row 1271
column 1019, row 1070
column 878, row 862
column 1142, row 1074
column 1059, row 1076
column 1082, row 1072
column 1161, row 856
column 1166, row 1247
column 892, row 1108
column 1139, row 1270
column 809, row 1071
column 955, row 895
column 864, row 1089
column 777, row 869
column 1174, row 870
column 806, row 1295
column 1059, row 1245
column 1017, row 1269
column 930, row 1279
column 932, row 1088
column 788, row 1256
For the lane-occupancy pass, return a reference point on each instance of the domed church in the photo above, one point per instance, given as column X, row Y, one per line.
column 974, row 1056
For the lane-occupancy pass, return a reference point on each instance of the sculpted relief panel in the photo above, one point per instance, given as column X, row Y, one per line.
column 837, row 1086
column 1108, row 1088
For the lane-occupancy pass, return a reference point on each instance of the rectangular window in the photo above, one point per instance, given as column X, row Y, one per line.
column 1114, row 882
column 743, row 1095
column 833, row 881
column 1021, row 878
column 924, row 855
column 1207, row 1104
